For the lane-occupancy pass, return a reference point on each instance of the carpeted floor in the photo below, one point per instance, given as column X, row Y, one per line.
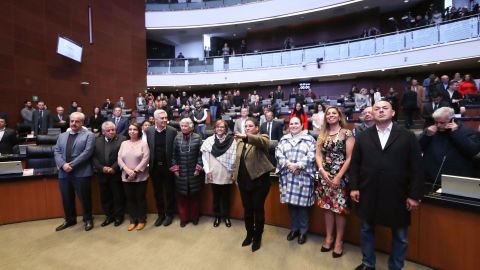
column 36, row 245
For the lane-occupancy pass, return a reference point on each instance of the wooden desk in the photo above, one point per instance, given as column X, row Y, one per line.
column 443, row 234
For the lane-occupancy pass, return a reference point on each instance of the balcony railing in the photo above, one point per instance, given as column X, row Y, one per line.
column 168, row 5
column 466, row 28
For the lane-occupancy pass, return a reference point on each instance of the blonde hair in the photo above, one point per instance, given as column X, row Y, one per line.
column 326, row 127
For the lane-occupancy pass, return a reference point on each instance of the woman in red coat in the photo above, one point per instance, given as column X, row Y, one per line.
column 467, row 86
column 298, row 112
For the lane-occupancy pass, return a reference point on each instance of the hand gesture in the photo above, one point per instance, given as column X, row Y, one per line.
column 431, row 130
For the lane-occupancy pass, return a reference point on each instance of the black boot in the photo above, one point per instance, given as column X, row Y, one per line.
column 248, row 239
column 257, row 242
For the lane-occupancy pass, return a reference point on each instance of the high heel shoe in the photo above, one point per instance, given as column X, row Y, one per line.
column 324, row 249
column 337, row 255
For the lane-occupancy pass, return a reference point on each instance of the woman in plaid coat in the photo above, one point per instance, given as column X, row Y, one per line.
column 295, row 155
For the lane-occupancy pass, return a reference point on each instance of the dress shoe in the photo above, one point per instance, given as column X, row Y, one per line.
column 247, row 241
column 228, row 223
column 195, row 222
column 302, row 238
column 131, row 226
column 118, row 222
column 140, row 226
column 183, row 223
column 65, row 225
column 337, row 255
column 107, row 222
column 216, row 222
column 88, row 225
column 159, row 221
column 364, row 267
column 257, row 243
column 292, row 235
column 168, row 220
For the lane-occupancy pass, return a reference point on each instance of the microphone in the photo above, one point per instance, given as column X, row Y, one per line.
column 438, row 173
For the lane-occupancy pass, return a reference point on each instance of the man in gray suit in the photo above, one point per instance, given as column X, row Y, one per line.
column 160, row 142
column 41, row 119
column 73, row 153
column 240, row 122
column 105, row 161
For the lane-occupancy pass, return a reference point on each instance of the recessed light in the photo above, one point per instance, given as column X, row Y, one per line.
column 405, row 1
column 365, row 7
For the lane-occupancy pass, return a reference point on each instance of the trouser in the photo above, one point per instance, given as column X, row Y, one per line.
column 409, row 113
column 213, row 114
column 112, row 195
column 164, row 189
column 71, row 185
column 253, row 202
column 201, row 130
column 189, row 207
column 298, row 218
column 221, row 200
column 136, row 193
column 398, row 250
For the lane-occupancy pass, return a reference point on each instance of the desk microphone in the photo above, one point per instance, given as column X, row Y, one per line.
column 438, row 173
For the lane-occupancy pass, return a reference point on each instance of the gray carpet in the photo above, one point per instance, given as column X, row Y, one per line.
column 36, row 245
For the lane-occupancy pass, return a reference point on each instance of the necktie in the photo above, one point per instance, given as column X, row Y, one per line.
column 435, row 106
column 269, row 130
column 117, row 119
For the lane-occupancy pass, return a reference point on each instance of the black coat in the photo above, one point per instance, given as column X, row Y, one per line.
column 459, row 147
column 455, row 95
column 409, row 100
column 170, row 135
column 428, row 112
column 386, row 178
column 186, row 155
column 56, row 122
column 45, row 121
column 96, row 123
column 7, row 142
column 99, row 160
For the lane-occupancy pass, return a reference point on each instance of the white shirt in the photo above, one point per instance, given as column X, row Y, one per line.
column 384, row 134
column 2, row 132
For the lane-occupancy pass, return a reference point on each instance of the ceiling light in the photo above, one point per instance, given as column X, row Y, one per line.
column 405, row 1
column 365, row 7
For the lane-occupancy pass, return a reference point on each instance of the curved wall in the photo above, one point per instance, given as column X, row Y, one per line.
column 415, row 57
column 266, row 10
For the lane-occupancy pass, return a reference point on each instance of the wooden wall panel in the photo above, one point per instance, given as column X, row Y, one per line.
column 29, row 64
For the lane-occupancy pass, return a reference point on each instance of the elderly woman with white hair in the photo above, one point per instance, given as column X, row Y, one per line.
column 187, row 166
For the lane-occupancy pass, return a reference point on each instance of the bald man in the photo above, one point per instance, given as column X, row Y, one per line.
column 386, row 180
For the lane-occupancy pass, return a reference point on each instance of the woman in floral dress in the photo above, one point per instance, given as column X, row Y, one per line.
column 334, row 149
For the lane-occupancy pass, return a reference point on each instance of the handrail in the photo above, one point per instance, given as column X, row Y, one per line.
column 469, row 27
column 154, row 6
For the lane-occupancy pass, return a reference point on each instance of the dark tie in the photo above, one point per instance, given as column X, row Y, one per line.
column 117, row 119
column 435, row 107
column 269, row 130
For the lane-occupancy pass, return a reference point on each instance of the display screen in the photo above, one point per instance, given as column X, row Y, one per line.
column 69, row 48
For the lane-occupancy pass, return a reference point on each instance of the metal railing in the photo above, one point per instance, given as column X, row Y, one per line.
column 168, row 5
column 461, row 29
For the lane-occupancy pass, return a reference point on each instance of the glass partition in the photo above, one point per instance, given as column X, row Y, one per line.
column 434, row 34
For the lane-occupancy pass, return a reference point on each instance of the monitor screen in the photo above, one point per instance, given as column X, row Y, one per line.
column 69, row 48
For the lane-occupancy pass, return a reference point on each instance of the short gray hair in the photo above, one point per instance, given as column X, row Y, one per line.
column 157, row 113
column 78, row 114
column 444, row 111
column 187, row 121
column 107, row 123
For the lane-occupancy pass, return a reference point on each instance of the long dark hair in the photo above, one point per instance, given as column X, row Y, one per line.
column 299, row 113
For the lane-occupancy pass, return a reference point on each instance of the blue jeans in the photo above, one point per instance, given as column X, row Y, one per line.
column 201, row 130
column 399, row 246
column 298, row 218
column 213, row 114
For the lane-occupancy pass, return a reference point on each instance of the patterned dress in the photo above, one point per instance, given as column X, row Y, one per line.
column 332, row 198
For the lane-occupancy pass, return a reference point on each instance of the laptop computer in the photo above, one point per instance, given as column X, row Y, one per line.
column 11, row 167
column 461, row 186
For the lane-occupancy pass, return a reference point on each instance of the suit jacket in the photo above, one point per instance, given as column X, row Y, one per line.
column 56, row 122
column 45, row 121
column 171, row 133
column 277, row 131
column 255, row 108
column 99, row 160
column 82, row 151
column 238, row 126
column 428, row 111
column 7, row 142
column 256, row 156
column 122, row 126
column 386, row 177
column 456, row 95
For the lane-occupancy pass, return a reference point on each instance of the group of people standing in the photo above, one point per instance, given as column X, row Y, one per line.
column 383, row 166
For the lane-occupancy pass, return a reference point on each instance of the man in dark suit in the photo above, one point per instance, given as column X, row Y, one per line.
column 160, row 142
column 41, row 119
column 107, row 106
column 429, row 108
column 60, row 120
column 256, row 107
column 73, row 153
column 386, row 180
column 8, row 137
column 121, row 123
column 271, row 128
column 441, row 87
column 453, row 96
column 105, row 162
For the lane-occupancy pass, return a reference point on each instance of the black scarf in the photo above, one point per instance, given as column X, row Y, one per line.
column 219, row 148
